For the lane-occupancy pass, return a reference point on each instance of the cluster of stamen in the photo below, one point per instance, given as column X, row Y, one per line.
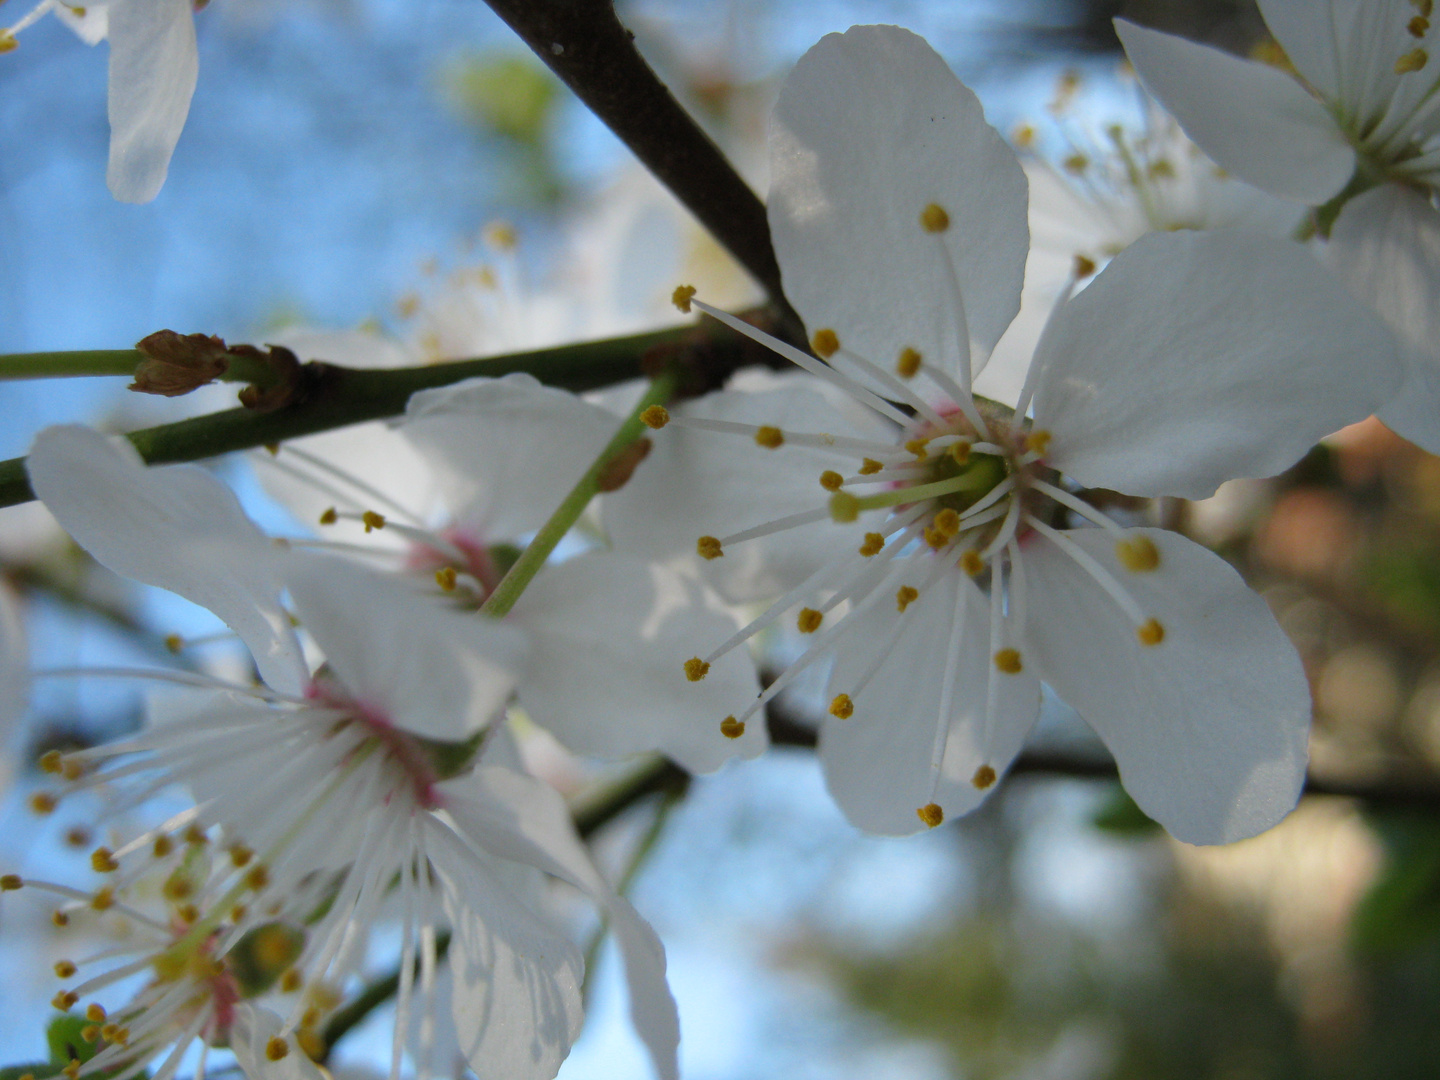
column 964, row 487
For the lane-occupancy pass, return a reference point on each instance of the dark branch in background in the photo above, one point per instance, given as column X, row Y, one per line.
column 330, row 396
column 584, row 43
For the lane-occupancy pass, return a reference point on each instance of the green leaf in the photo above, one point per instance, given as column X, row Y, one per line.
column 1121, row 815
column 1402, row 909
column 506, row 95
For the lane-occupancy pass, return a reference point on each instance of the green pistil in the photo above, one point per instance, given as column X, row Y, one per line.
column 965, row 487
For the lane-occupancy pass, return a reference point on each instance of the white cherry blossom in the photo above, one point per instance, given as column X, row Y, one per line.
column 1355, row 129
column 900, row 226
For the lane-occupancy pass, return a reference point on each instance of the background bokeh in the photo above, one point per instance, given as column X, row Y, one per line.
column 341, row 163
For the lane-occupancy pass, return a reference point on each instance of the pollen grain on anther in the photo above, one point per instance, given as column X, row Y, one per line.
column 1150, row 632
column 905, row 596
column 655, row 417
column 841, row 707
column 732, row 728
column 696, row 669
column 708, row 547
column 771, row 438
column 1008, row 661
column 984, row 777
column 809, row 620
column 934, row 218
column 931, row 814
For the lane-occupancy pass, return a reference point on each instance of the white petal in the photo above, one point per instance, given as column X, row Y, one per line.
column 176, row 527
column 703, row 483
column 507, row 450
column 1253, row 119
column 1195, row 358
column 91, row 23
column 1386, row 247
column 251, row 1032
column 153, row 65
column 878, row 762
column 1209, row 727
column 14, row 674
column 432, row 671
column 610, row 636
column 516, row 991
column 523, row 819
column 870, row 128
column 1304, row 30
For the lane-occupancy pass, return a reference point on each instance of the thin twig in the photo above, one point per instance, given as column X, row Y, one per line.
column 584, row 43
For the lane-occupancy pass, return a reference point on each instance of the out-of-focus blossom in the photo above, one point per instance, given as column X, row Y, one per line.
column 899, row 222
column 153, row 67
column 1107, row 189
column 1355, row 129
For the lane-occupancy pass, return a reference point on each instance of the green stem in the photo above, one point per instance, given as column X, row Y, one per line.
column 573, row 505
column 69, row 365
column 334, row 396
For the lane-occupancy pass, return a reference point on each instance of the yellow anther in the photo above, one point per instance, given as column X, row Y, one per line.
column 195, row 835
column 241, row 855
column 187, row 913
column 984, row 777
column 174, row 642
column 844, row 507
column 1424, row 7
column 1084, row 267
column 696, row 669
column 312, row 1042
column 869, row 467
column 809, row 620
column 947, row 521
column 447, row 578
column 934, row 538
column 122, row 1036
column 64, row 1000
column 1023, row 136
column 1008, row 661
column 163, row 846
column 65, row 969
column 1151, row 633
column 372, row 520
column 1038, row 441
column 831, row 480
column 103, row 862
column 291, row 981
column 109, row 1031
column 103, row 900
column 1137, row 554
column 72, row 769
column 501, row 236
column 50, row 762
column 874, row 544
column 905, row 596
column 238, row 913
column 682, row 296
column 60, row 918
column 772, row 438
column 907, row 366
column 8, row 41
column 330, row 516
column 655, row 417
column 177, row 888
column 1414, row 60
column 11, row 882
column 277, row 1048
column 258, row 877
column 90, row 1033
column 72, row 1069
column 42, row 802
column 934, row 219
column 78, row 836
column 959, row 453
column 1076, row 163
column 917, row 447
column 732, row 728
column 825, row 343
column 1161, row 169
column 95, row 1012
column 1418, row 26
column 841, row 707
column 931, row 814
column 708, row 547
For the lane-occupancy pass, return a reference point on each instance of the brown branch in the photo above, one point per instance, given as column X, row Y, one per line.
column 584, row 43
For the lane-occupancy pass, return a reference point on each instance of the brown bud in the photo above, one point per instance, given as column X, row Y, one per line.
column 617, row 471
column 175, row 364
